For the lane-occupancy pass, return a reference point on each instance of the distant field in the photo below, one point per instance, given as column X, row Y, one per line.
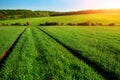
column 103, row 18
column 62, row 52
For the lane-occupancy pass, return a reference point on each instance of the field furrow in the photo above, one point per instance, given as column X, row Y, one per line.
column 37, row 56
column 103, row 61
column 6, row 54
column 7, row 36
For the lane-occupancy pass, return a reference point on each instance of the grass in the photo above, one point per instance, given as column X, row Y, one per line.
column 62, row 52
column 99, row 45
column 38, row 56
column 7, row 36
column 104, row 18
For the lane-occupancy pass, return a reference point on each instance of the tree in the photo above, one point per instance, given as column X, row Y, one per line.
column 2, row 16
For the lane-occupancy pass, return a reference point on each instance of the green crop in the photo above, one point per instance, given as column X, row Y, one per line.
column 61, row 52
column 98, row 45
column 37, row 56
column 8, row 36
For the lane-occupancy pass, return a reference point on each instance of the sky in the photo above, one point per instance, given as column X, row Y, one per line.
column 59, row 5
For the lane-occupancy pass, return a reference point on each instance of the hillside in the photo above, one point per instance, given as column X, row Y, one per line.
column 22, row 13
column 104, row 18
column 87, row 12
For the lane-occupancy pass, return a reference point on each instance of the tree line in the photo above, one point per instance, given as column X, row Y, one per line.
column 87, row 23
column 85, row 12
column 15, row 14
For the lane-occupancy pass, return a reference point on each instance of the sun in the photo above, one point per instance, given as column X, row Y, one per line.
column 112, row 4
column 101, row 4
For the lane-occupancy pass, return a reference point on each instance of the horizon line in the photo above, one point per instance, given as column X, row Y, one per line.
column 61, row 11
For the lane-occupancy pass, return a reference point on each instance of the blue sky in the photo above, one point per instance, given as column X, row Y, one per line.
column 58, row 5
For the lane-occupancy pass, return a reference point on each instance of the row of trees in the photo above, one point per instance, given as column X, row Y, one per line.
column 13, row 14
column 90, row 24
column 77, row 24
column 61, row 24
column 16, row 24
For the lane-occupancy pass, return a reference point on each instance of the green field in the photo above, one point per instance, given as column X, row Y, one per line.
column 95, row 44
column 61, row 52
column 104, row 18
column 37, row 56
column 7, row 36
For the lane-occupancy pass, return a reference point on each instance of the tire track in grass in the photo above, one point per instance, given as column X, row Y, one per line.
column 47, row 60
column 27, row 63
column 5, row 54
column 106, row 74
column 19, row 63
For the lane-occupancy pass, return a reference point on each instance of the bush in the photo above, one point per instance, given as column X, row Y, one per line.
column 62, row 24
column 16, row 24
column 24, row 25
column 111, row 24
column 49, row 24
column 89, row 24
column 4, row 24
column 41, row 24
column 84, row 24
column 100, row 24
column 71, row 24
column 27, row 23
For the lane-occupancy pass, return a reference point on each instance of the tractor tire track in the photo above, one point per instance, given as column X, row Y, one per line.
column 97, row 67
column 4, row 55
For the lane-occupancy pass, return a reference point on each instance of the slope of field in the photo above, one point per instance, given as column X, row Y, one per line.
column 37, row 56
column 7, row 36
column 98, row 46
column 103, row 18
